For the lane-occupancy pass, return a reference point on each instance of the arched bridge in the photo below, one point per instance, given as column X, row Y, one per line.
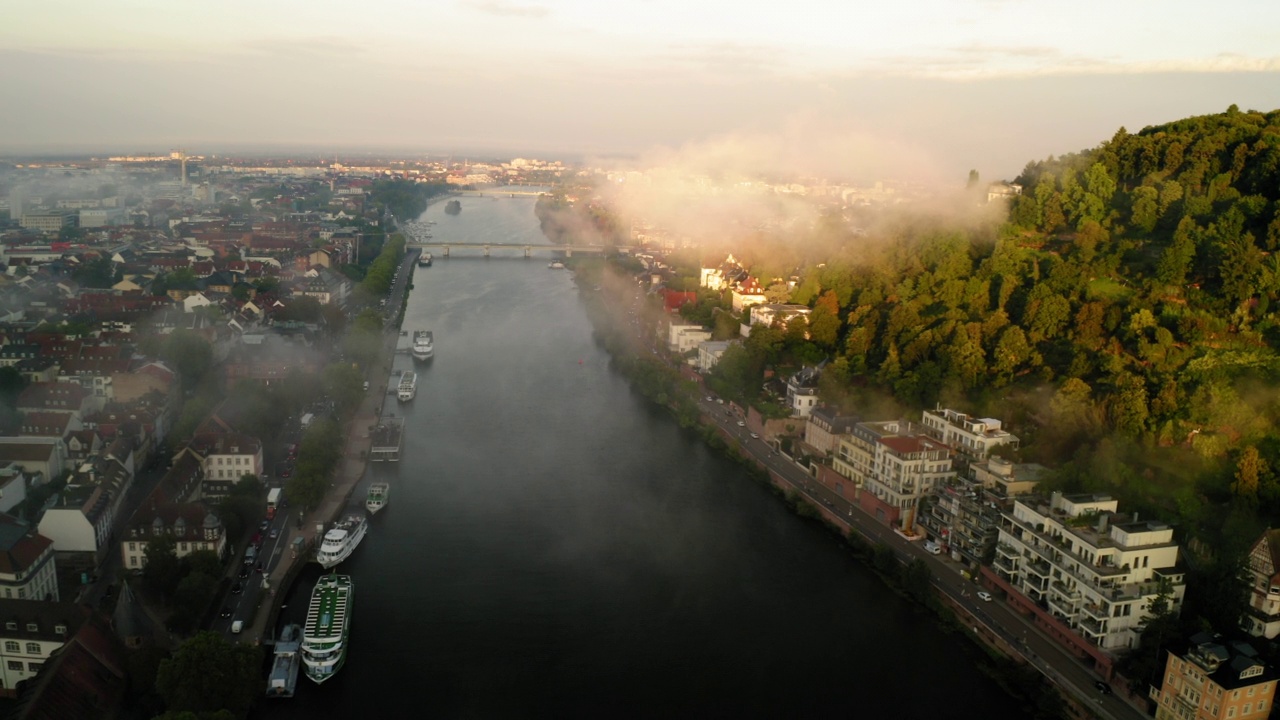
column 567, row 250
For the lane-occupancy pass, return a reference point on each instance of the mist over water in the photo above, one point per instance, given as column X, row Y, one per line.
column 554, row 546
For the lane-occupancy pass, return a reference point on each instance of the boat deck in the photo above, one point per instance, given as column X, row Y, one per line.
column 387, row 439
column 327, row 617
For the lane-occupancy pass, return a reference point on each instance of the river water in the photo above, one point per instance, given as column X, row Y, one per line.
column 554, row 546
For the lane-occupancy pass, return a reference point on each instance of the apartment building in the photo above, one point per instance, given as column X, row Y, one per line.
column 895, row 464
column 27, row 567
column 1212, row 679
column 972, row 437
column 1093, row 569
column 963, row 515
column 33, row 631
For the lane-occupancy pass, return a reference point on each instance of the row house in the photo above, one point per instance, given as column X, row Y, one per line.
column 729, row 273
column 49, row 424
column 894, row 464
column 1209, row 678
column 38, row 369
column 41, row 458
column 96, row 375
column 190, row 525
column 33, row 631
column 85, row 512
column 13, row 486
column 27, row 568
column 57, row 397
column 1096, row 571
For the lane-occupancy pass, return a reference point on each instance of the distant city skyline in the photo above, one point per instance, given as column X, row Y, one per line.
column 920, row 91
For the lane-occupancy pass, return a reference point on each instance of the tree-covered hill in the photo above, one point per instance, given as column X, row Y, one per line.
column 1124, row 318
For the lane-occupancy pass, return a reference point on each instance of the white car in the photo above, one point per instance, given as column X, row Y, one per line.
column 710, row 399
column 984, row 596
column 755, row 436
column 741, row 424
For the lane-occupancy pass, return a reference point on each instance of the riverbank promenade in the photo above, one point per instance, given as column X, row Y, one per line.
column 355, row 458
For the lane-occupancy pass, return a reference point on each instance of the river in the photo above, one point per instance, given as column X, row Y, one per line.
column 556, row 546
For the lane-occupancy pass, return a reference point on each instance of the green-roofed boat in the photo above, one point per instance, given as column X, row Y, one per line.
column 328, row 627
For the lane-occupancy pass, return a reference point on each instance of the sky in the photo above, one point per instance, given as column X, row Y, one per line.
column 917, row 89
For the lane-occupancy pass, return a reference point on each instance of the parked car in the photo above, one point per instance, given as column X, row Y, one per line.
column 291, row 451
column 284, row 470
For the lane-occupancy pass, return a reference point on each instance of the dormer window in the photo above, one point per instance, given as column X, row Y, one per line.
column 11, row 625
column 33, row 627
column 60, row 629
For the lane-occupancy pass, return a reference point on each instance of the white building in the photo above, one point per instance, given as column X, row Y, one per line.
column 13, row 486
column 33, row 630
column 746, row 294
column 683, row 338
column 767, row 314
column 802, row 392
column 1264, row 599
column 189, row 525
column 710, row 352
column 225, row 458
column 971, row 436
column 27, row 570
column 896, row 464
column 1095, row 570
column 101, row 217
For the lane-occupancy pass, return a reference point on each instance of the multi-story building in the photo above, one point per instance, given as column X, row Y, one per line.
column 1264, row 600
column 972, row 437
column 802, row 391
column 226, row 458
column 964, row 515
column 767, row 314
column 1212, row 679
column 48, row 221
column 682, row 338
column 1095, row 570
column 710, row 352
column 191, row 526
column 824, row 428
column 27, row 569
column 33, row 630
column 895, row 464
column 747, row 293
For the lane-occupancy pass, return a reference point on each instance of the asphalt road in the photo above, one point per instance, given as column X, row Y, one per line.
column 1059, row 666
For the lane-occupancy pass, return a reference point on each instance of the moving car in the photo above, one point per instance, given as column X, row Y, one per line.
column 275, row 533
column 237, row 626
column 237, row 589
column 741, row 424
column 755, row 436
column 984, row 596
column 1103, row 688
column 226, row 610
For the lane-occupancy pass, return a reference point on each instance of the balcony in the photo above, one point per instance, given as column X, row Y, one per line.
column 1009, row 565
column 1089, row 627
column 1097, row 612
column 1066, row 610
column 1008, row 551
column 1039, row 568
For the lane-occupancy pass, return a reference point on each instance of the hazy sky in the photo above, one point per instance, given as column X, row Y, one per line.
column 928, row 87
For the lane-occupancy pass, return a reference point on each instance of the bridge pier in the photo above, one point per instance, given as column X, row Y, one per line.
column 486, row 251
column 568, row 252
column 446, row 251
column 527, row 250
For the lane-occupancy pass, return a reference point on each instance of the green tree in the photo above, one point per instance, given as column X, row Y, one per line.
column 208, row 674
column 190, row 354
column 161, row 570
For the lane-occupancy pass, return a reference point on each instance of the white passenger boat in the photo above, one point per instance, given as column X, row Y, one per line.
column 408, row 386
column 342, row 539
column 327, row 632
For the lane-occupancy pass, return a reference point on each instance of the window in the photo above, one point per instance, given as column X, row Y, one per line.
column 60, row 629
column 32, row 627
column 133, row 561
column 1247, row 707
column 15, row 665
column 133, row 546
column 1251, row 689
column 33, row 648
column 11, row 646
column 33, row 667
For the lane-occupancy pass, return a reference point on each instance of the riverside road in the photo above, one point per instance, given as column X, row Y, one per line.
column 1059, row 666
